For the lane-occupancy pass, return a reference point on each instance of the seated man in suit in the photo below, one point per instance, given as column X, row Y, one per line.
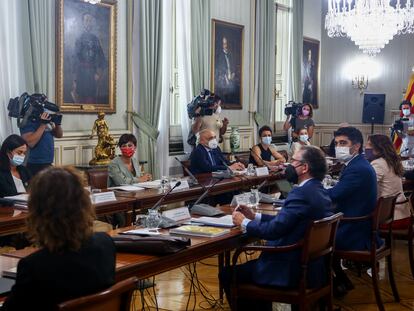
column 207, row 156
column 305, row 203
column 354, row 195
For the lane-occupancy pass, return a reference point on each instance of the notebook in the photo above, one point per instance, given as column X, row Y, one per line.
column 202, row 231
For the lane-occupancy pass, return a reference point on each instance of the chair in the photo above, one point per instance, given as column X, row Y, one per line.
column 405, row 234
column 186, row 164
column 116, row 298
column 383, row 214
column 319, row 241
column 98, row 178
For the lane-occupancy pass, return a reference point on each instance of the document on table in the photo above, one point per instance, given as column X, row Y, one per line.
column 127, row 188
column 22, row 197
column 224, row 221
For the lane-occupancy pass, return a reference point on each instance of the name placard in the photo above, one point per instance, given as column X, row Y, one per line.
column 184, row 185
column 103, row 197
column 177, row 214
column 262, row 171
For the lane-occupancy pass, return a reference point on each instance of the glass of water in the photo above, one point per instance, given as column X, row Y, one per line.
column 165, row 183
column 153, row 219
column 254, row 198
column 250, row 170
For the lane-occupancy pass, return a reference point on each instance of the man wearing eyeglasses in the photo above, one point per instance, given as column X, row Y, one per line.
column 305, row 203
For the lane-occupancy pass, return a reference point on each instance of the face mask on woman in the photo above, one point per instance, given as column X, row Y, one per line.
column 128, row 151
column 17, row 160
column 369, row 154
column 406, row 112
column 267, row 140
column 304, row 138
column 305, row 112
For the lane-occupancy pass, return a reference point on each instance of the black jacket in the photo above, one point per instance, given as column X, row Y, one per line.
column 45, row 279
column 7, row 186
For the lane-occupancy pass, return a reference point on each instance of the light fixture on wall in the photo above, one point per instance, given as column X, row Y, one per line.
column 92, row 1
column 371, row 24
column 360, row 82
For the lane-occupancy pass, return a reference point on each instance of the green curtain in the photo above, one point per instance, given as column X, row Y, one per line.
column 265, row 60
column 200, row 40
column 149, row 78
column 297, row 50
column 38, row 31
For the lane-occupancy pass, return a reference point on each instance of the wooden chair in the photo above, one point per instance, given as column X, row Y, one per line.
column 319, row 241
column 98, row 178
column 383, row 214
column 116, row 298
column 405, row 234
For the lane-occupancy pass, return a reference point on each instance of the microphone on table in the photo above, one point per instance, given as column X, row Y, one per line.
column 194, row 180
column 157, row 205
column 205, row 209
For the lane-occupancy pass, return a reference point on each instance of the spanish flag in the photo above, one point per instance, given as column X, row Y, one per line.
column 409, row 95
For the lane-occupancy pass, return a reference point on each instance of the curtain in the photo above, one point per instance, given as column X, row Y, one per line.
column 163, row 125
column 264, row 60
column 147, row 77
column 200, row 40
column 183, row 46
column 296, row 47
column 12, row 73
column 40, row 56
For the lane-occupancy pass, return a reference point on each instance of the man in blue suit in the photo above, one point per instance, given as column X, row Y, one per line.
column 305, row 203
column 207, row 156
column 354, row 195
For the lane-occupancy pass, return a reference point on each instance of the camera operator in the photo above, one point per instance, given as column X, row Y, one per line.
column 405, row 129
column 300, row 118
column 39, row 135
column 209, row 117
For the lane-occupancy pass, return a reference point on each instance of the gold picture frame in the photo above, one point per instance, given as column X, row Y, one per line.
column 227, row 63
column 86, row 56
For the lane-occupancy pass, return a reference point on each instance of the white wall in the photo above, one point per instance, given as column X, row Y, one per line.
column 312, row 18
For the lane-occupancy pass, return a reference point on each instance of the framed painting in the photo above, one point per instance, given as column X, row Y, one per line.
column 86, row 56
column 227, row 63
column 310, row 72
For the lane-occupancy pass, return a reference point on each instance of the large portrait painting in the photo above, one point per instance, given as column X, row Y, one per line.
column 226, row 63
column 310, row 72
column 86, row 56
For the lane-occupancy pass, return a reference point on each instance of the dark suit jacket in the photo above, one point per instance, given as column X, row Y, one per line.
column 303, row 205
column 7, row 186
column 45, row 279
column 355, row 195
column 201, row 163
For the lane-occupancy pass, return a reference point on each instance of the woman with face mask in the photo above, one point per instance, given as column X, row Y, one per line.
column 124, row 169
column 303, row 120
column 263, row 154
column 14, row 177
column 302, row 140
column 388, row 167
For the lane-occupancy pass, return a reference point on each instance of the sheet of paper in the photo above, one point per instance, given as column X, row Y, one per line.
column 224, row 221
column 143, row 231
column 127, row 188
column 149, row 184
column 22, row 197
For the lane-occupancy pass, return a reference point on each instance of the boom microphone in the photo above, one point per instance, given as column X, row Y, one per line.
column 157, row 205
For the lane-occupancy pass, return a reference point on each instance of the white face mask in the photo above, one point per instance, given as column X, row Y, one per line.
column 213, row 144
column 406, row 112
column 304, row 138
column 343, row 154
column 17, row 160
column 218, row 110
column 267, row 140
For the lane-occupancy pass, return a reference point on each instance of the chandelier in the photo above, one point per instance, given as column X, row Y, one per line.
column 371, row 24
column 92, row 1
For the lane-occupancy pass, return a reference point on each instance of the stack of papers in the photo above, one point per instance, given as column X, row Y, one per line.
column 199, row 231
column 142, row 231
column 22, row 197
column 154, row 184
column 224, row 221
column 127, row 188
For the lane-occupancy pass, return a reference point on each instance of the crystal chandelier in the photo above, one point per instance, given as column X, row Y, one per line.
column 371, row 24
column 92, row 1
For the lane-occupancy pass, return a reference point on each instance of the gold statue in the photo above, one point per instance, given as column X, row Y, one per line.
column 105, row 149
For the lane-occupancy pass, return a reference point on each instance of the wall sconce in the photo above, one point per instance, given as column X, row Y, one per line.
column 360, row 82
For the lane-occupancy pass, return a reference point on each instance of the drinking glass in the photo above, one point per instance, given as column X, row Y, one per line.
column 165, row 183
column 153, row 219
column 254, row 197
column 250, row 170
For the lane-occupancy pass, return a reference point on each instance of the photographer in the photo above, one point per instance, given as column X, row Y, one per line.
column 299, row 118
column 405, row 129
column 39, row 135
column 207, row 116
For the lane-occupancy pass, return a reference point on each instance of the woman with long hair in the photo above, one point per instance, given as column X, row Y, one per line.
column 303, row 120
column 380, row 151
column 72, row 261
column 14, row 177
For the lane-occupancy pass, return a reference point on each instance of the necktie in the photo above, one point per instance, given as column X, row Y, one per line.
column 213, row 163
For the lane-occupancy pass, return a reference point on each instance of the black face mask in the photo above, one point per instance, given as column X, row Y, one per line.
column 291, row 174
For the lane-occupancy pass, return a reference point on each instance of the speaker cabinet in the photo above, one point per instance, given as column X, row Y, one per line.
column 374, row 108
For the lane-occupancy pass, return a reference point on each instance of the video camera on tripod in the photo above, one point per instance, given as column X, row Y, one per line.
column 30, row 107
